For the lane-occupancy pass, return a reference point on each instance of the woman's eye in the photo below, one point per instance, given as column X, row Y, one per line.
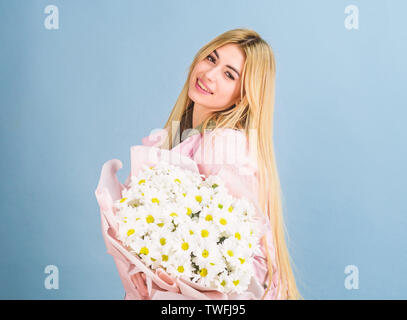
column 210, row 57
column 230, row 76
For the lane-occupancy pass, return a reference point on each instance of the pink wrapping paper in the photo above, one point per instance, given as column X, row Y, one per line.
column 227, row 156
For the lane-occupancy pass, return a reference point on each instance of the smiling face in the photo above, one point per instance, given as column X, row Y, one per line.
column 220, row 74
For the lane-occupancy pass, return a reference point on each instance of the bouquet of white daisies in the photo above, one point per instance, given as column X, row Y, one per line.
column 172, row 218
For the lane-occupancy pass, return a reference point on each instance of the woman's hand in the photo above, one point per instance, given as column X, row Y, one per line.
column 139, row 281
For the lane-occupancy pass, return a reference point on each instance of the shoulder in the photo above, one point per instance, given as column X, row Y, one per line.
column 155, row 138
column 219, row 135
column 225, row 146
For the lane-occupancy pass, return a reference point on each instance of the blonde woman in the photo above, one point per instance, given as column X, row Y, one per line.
column 231, row 85
column 223, row 121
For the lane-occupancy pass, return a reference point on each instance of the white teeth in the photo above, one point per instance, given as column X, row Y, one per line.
column 200, row 84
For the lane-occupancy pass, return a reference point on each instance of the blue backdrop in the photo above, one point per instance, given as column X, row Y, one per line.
column 74, row 97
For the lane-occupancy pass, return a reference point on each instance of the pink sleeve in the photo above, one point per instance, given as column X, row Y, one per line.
column 226, row 153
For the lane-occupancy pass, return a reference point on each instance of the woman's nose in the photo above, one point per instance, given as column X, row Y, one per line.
column 211, row 74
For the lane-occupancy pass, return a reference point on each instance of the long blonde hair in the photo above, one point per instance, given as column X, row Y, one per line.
column 253, row 113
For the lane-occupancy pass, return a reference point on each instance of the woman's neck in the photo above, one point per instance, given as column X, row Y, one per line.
column 199, row 115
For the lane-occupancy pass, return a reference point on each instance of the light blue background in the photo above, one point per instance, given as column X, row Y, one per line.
column 76, row 97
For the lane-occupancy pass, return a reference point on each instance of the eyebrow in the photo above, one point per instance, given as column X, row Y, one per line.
column 217, row 55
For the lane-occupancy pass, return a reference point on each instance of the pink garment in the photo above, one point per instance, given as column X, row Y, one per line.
column 222, row 152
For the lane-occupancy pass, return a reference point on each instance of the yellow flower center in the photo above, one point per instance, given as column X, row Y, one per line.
column 161, row 224
column 150, row 219
column 241, row 260
column 230, row 253
column 122, row 200
column 223, row 283
column 155, row 200
column 185, row 246
column 204, row 233
column 142, row 181
column 162, row 241
column 189, row 211
column 205, row 253
column 236, row 282
column 191, row 232
column 180, row 269
column 208, row 218
column 198, row 198
column 238, row 236
column 144, row 250
column 230, row 209
column 130, row 232
column 164, row 257
column 173, row 214
column 177, row 180
column 203, row 272
column 223, row 221
column 220, row 206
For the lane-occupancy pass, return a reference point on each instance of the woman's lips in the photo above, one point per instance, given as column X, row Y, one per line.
column 199, row 88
